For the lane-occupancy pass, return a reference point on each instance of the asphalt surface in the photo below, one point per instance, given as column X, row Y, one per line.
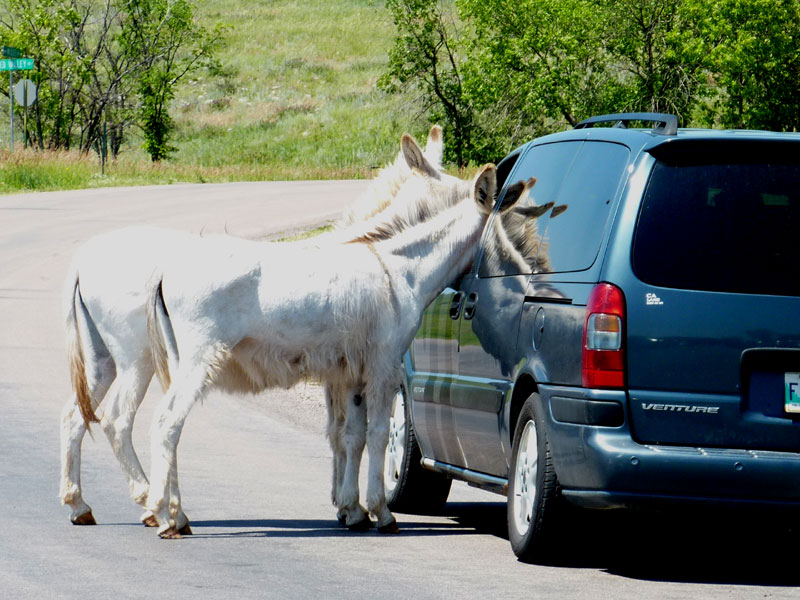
column 255, row 472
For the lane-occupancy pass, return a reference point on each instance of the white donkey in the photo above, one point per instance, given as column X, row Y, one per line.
column 246, row 319
column 109, row 352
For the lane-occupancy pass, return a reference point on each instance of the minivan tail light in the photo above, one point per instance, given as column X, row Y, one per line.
column 603, row 338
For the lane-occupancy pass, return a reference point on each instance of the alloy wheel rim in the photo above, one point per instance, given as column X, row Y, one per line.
column 525, row 470
column 396, row 449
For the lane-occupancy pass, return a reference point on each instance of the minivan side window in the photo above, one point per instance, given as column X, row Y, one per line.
column 511, row 242
column 572, row 240
column 584, row 176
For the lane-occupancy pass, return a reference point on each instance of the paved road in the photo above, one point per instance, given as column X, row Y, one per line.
column 255, row 472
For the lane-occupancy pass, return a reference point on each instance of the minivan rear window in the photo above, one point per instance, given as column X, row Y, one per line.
column 729, row 227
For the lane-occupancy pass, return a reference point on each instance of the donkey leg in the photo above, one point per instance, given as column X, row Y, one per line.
column 164, row 498
column 73, row 430
column 379, row 398
column 124, row 399
column 176, row 513
column 117, row 421
column 356, row 517
column 334, row 431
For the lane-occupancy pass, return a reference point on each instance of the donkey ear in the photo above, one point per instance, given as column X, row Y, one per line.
column 517, row 191
column 485, row 187
column 415, row 159
column 434, row 147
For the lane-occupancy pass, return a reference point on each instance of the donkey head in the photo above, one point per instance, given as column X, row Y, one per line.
column 485, row 190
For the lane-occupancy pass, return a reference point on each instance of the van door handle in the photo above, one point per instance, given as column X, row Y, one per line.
column 469, row 306
column 455, row 306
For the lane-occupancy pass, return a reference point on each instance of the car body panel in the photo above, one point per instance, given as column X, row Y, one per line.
column 702, row 417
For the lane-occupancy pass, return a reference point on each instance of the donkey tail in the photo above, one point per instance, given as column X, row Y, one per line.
column 75, row 352
column 162, row 338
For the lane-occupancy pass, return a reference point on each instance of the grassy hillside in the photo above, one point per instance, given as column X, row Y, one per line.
column 295, row 99
column 297, row 92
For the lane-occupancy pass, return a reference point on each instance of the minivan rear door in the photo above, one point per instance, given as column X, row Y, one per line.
column 713, row 309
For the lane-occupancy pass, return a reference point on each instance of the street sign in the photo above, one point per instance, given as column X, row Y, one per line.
column 11, row 65
column 25, row 92
column 16, row 64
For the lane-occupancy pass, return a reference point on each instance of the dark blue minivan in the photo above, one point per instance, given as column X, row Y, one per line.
column 642, row 347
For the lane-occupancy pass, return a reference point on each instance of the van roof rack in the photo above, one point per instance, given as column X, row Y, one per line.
column 666, row 124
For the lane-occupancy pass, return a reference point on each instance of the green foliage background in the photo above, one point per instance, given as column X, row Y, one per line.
column 325, row 88
column 516, row 69
column 292, row 95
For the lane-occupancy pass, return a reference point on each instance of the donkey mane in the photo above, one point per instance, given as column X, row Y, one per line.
column 401, row 216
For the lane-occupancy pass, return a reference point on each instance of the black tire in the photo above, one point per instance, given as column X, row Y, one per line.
column 534, row 500
column 410, row 488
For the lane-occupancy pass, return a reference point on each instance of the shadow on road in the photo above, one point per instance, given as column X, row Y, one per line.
column 287, row 528
column 723, row 547
column 719, row 547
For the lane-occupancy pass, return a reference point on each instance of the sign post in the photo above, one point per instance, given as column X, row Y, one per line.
column 25, row 93
column 11, row 64
column 11, row 99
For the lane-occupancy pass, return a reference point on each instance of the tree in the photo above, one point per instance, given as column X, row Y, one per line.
column 536, row 65
column 38, row 28
column 556, row 62
column 661, row 66
column 530, row 67
column 106, row 64
column 752, row 50
column 426, row 55
column 170, row 45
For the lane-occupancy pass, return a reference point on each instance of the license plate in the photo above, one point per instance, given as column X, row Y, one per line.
column 791, row 392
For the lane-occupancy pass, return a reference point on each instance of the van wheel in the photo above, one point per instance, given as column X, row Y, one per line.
column 409, row 487
column 533, row 493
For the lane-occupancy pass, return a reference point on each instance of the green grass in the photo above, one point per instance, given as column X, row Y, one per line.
column 307, row 234
column 27, row 171
column 296, row 99
column 298, row 91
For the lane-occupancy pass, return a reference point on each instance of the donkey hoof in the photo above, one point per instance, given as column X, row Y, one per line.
column 342, row 519
column 86, row 518
column 170, row 534
column 149, row 520
column 185, row 530
column 390, row 527
column 364, row 524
